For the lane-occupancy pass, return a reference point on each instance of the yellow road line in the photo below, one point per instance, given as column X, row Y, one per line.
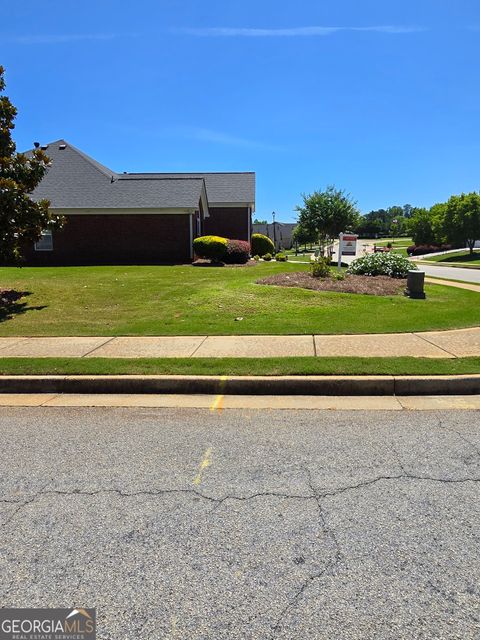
column 205, row 463
column 217, row 403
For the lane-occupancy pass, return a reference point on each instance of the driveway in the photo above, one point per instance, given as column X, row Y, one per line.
column 188, row 524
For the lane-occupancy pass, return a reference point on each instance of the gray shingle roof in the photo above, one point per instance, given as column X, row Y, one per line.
column 75, row 180
column 232, row 187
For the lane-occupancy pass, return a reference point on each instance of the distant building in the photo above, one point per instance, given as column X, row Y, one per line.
column 281, row 233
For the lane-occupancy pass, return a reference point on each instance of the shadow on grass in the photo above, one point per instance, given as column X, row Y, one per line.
column 466, row 258
column 12, row 304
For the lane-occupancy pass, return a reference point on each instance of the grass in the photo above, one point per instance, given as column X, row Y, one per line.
column 239, row 366
column 305, row 257
column 186, row 300
column 397, row 242
column 457, row 257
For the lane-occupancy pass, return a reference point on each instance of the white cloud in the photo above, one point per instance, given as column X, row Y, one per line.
column 292, row 32
column 61, row 38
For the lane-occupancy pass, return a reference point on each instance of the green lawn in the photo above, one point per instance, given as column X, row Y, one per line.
column 239, row 366
column 302, row 257
column 186, row 300
column 458, row 256
column 397, row 242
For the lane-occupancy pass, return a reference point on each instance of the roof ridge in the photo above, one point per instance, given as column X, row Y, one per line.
column 122, row 176
column 186, row 173
column 97, row 165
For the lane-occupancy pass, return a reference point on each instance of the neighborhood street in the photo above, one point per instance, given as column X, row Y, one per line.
column 197, row 524
column 451, row 273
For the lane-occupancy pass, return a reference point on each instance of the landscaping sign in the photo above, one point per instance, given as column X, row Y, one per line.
column 348, row 245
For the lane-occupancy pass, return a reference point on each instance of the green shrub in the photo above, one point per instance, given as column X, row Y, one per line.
column 210, row 247
column 256, row 258
column 262, row 244
column 338, row 275
column 281, row 257
column 320, row 268
column 267, row 257
column 382, row 264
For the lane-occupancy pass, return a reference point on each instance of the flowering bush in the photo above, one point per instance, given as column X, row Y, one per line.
column 382, row 264
column 238, row 252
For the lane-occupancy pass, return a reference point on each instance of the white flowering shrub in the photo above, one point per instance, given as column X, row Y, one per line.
column 382, row 264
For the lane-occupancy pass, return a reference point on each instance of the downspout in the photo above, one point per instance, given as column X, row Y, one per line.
column 191, row 236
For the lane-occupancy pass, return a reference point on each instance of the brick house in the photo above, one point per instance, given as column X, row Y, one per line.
column 135, row 218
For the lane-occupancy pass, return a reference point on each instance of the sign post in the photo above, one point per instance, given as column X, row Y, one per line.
column 340, row 249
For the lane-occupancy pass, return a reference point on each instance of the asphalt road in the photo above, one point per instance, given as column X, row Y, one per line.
column 451, row 273
column 191, row 524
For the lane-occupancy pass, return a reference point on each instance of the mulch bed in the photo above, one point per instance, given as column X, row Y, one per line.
column 370, row 285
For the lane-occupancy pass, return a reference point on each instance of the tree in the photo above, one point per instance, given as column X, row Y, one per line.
column 461, row 223
column 301, row 235
column 257, row 221
column 21, row 219
column 380, row 222
column 421, row 226
column 325, row 214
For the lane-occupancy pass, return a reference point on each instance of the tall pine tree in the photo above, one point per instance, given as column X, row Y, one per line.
column 21, row 219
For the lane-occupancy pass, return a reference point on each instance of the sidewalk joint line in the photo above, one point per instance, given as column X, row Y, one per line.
column 98, row 346
column 314, row 346
column 52, row 396
column 197, row 347
column 14, row 344
column 419, row 335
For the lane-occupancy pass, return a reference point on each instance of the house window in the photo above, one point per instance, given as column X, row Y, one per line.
column 46, row 241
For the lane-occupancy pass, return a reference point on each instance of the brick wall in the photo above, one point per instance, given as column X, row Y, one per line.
column 118, row 239
column 229, row 222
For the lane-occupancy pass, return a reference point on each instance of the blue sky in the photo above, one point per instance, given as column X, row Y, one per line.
column 379, row 98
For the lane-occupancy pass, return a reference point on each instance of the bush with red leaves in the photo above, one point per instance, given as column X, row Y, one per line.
column 422, row 249
column 238, row 252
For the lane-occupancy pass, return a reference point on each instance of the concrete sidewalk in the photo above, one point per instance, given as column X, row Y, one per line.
column 431, row 344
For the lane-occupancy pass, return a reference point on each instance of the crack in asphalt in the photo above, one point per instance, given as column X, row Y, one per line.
column 332, row 563
column 317, row 495
column 474, row 446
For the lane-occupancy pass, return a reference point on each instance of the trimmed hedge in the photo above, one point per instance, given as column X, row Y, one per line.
column 238, row 252
column 210, row 247
column 422, row 249
column 262, row 245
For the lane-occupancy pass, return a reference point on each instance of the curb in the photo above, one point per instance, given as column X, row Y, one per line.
column 252, row 385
